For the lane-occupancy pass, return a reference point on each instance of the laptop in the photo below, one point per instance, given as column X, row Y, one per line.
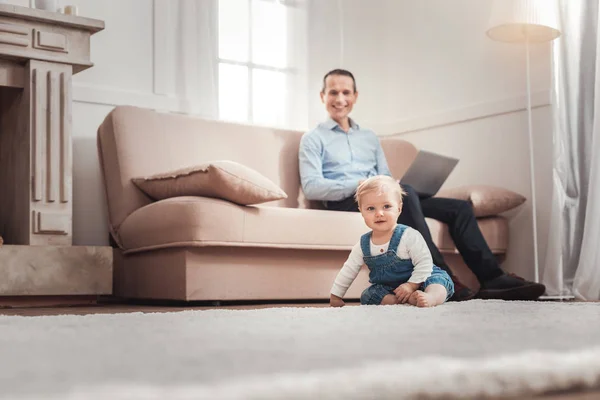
column 428, row 172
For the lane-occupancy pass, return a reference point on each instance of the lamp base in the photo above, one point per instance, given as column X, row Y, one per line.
column 557, row 298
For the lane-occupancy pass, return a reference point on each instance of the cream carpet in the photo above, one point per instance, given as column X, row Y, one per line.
column 475, row 348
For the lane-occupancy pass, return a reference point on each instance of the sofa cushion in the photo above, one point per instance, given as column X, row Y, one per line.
column 223, row 179
column 135, row 142
column 202, row 221
column 486, row 200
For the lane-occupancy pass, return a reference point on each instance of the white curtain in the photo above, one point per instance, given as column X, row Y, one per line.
column 241, row 60
column 192, row 25
column 573, row 257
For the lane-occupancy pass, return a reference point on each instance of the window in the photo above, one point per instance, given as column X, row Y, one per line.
column 256, row 53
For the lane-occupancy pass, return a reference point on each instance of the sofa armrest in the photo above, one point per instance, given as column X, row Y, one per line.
column 486, row 200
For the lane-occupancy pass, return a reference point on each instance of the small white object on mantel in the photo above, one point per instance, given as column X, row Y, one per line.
column 48, row 5
column 71, row 10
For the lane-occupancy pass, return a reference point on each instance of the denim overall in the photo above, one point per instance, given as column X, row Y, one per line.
column 387, row 271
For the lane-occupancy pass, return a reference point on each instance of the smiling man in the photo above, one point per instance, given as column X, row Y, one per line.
column 338, row 155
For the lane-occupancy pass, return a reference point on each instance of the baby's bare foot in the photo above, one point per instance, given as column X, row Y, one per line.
column 424, row 299
column 412, row 300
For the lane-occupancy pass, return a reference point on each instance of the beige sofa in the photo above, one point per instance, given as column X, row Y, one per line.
column 198, row 248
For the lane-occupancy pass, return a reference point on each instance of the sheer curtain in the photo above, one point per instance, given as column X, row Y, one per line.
column 241, row 60
column 573, row 256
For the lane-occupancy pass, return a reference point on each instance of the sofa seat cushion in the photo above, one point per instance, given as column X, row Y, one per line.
column 202, row 221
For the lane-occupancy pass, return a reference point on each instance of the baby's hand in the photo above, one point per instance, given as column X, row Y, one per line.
column 404, row 291
column 335, row 301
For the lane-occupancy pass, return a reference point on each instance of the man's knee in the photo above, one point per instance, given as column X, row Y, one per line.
column 461, row 208
column 411, row 193
column 464, row 206
column 407, row 188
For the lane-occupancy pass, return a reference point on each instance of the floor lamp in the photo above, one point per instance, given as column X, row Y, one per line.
column 525, row 22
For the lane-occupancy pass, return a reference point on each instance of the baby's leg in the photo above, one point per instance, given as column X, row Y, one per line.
column 412, row 300
column 389, row 299
column 433, row 295
column 378, row 294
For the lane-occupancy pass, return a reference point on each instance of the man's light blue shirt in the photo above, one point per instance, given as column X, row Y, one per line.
column 332, row 162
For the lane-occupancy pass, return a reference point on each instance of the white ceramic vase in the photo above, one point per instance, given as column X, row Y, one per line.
column 48, row 5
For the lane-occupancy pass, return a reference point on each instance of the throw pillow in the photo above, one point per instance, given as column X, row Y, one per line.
column 224, row 179
column 486, row 200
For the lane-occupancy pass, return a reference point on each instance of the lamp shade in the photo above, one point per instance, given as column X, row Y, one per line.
column 517, row 21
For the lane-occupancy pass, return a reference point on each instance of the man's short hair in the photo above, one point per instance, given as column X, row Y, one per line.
column 380, row 184
column 341, row 72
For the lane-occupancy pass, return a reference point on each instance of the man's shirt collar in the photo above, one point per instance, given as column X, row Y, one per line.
column 330, row 124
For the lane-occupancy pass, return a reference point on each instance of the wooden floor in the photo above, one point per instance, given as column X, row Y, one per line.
column 82, row 306
column 57, row 306
column 130, row 308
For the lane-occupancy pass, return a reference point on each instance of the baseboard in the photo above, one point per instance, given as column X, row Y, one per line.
column 11, row 302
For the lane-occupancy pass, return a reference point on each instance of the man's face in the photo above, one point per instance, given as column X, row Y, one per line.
column 339, row 96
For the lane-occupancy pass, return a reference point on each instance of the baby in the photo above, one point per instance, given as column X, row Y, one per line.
column 401, row 269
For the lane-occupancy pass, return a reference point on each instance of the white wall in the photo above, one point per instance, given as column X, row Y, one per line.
column 427, row 71
column 417, row 59
column 494, row 151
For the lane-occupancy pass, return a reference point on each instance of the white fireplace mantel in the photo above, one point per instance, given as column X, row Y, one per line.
column 39, row 53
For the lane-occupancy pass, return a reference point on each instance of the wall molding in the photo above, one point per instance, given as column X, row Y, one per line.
column 472, row 112
column 107, row 96
column 110, row 96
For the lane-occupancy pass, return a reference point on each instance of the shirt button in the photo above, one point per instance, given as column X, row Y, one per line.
column 381, row 250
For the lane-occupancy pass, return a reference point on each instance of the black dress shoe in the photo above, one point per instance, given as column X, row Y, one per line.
column 511, row 287
column 461, row 292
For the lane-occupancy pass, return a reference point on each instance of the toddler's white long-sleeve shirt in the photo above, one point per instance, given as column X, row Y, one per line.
column 412, row 246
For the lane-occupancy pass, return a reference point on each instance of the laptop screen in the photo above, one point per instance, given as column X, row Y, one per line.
column 428, row 172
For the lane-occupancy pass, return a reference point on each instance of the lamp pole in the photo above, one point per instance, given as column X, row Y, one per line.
column 531, row 161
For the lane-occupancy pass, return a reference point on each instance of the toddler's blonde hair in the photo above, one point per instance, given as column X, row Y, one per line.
column 380, row 184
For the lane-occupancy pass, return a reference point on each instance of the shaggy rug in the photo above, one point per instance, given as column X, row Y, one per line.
column 476, row 349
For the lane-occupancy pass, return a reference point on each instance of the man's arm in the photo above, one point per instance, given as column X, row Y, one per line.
column 382, row 166
column 314, row 185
